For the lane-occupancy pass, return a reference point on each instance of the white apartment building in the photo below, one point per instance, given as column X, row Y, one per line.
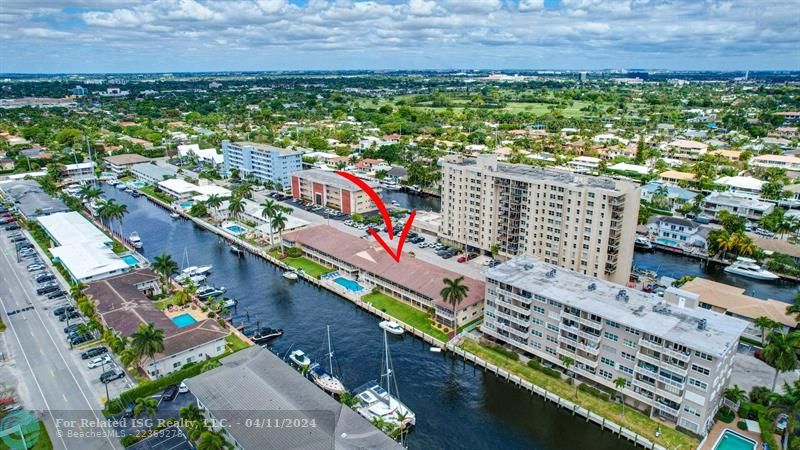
column 262, row 161
column 580, row 222
column 79, row 172
column 675, row 356
column 787, row 162
column 584, row 164
column 747, row 206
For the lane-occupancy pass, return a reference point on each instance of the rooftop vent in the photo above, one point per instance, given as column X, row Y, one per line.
column 701, row 325
column 592, row 286
column 551, row 273
column 527, row 266
column 661, row 308
column 639, row 311
column 622, row 295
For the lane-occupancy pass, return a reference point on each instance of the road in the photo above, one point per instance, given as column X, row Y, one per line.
column 58, row 387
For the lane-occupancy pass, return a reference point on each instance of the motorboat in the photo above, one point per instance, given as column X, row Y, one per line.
column 206, row 292
column 120, row 185
column 290, row 275
column 197, row 270
column 135, row 240
column 136, row 193
column 299, row 359
column 262, row 335
column 749, row 268
column 391, row 326
column 323, row 378
column 643, row 243
column 175, row 215
column 229, row 302
column 185, row 279
column 381, row 401
column 235, row 249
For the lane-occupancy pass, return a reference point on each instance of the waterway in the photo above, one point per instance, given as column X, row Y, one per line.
column 456, row 405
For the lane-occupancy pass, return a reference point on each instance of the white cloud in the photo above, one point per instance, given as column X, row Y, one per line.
column 531, row 5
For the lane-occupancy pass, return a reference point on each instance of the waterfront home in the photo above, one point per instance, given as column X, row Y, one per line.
column 733, row 301
column 122, row 304
column 78, row 172
column 674, row 355
column 205, row 155
column 686, row 149
column 678, row 234
column 675, row 177
column 742, row 184
column 675, row 195
column 325, row 188
column 788, row 162
column 82, row 249
column 151, row 173
column 746, row 206
column 121, row 163
column 30, row 199
column 183, row 190
column 411, row 280
column 253, row 386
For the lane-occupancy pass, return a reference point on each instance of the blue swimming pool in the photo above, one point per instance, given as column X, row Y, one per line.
column 186, row 205
column 731, row 440
column 235, row 229
column 138, row 184
column 130, row 260
column 184, row 320
column 350, row 285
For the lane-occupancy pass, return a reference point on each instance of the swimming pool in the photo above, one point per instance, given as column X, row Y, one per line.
column 350, row 285
column 185, row 205
column 184, row 320
column 235, row 229
column 138, row 184
column 731, row 440
column 130, row 260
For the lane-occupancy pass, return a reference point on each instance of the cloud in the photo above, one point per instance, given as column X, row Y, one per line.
column 274, row 34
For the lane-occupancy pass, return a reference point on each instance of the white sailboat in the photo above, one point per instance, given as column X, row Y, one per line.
column 382, row 400
column 749, row 268
column 325, row 378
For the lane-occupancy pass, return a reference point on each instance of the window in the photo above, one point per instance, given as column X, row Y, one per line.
column 628, row 356
column 609, row 349
column 552, row 339
column 550, row 350
column 538, row 309
column 536, row 344
column 537, row 333
column 629, row 343
column 612, row 324
column 605, row 374
column 691, row 411
column 611, row 336
column 625, row 369
column 607, row 361
column 552, row 327
column 697, row 383
column 700, row 369
column 702, row 355
column 537, row 321
column 633, row 331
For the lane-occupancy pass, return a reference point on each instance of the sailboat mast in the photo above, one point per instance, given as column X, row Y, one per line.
column 388, row 369
column 330, row 352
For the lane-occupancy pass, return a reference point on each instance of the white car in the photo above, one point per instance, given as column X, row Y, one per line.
column 99, row 361
column 183, row 388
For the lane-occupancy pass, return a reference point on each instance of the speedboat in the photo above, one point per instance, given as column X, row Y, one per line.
column 136, row 193
column 391, row 326
column 642, row 243
column 299, row 359
column 290, row 275
column 206, row 292
column 325, row 380
column 135, row 240
column 175, row 215
column 236, row 250
column 185, row 279
column 229, row 302
column 749, row 268
column 261, row 335
column 195, row 270
column 120, row 185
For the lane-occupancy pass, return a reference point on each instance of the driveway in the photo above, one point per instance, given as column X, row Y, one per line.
column 749, row 371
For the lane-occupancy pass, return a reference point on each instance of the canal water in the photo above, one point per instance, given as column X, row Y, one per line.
column 664, row 263
column 457, row 406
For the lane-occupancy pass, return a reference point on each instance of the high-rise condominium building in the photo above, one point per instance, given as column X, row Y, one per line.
column 675, row 357
column 579, row 222
column 264, row 162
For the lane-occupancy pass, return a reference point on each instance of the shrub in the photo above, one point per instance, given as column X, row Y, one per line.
column 593, row 391
column 725, row 414
column 748, row 410
column 130, row 439
column 742, row 425
column 760, row 395
column 767, row 433
column 294, row 252
column 507, row 353
column 536, row 365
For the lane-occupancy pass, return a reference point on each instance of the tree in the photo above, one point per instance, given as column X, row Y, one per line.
column 165, row 266
column 731, row 222
column 620, row 383
column 787, row 403
column 735, row 394
column 147, row 341
column 268, row 210
column 569, row 362
column 244, row 190
column 781, row 352
column 145, row 405
column 212, row 440
column 764, row 323
column 453, row 293
column 235, row 207
column 214, row 201
column 88, row 192
column 278, row 222
column 794, row 308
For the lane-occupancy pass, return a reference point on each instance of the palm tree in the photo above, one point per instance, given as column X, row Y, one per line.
column 235, row 207
column 735, row 394
column 165, row 266
column 244, row 190
column 145, row 405
column 127, row 356
column 212, row 440
column 147, row 341
column 214, row 202
column 725, row 243
column 781, row 352
column 620, row 383
column 743, row 244
column 569, row 362
column 76, row 290
column 764, row 323
column 278, row 223
column 794, row 308
column 787, row 403
column 182, row 297
column 268, row 211
column 453, row 293
column 190, row 412
column 88, row 192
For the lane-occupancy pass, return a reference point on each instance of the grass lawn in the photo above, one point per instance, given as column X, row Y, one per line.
column 42, row 441
column 408, row 314
column 308, row 266
column 164, row 304
column 234, row 343
column 151, row 191
column 633, row 420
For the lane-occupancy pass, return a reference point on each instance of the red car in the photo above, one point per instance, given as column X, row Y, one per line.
column 758, row 354
column 462, row 259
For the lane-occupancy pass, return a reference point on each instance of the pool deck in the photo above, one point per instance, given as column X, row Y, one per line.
column 191, row 309
column 720, row 427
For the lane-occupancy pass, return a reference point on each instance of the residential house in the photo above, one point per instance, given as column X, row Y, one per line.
column 678, row 233
column 119, row 164
column 746, row 206
column 686, row 149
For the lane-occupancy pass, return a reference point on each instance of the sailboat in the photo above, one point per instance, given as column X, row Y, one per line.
column 382, row 400
column 325, row 379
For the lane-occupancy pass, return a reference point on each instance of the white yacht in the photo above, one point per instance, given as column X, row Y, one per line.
column 391, row 326
column 643, row 243
column 175, row 215
column 290, row 275
column 205, row 292
column 135, row 240
column 749, row 268
column 197, row 270
column 382, row 400
column 299, row 359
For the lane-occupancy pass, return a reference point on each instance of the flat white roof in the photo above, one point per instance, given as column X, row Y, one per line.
column 68, row 228
column 83, row 165
column 179, row 186
column 89, row 260
column 644, row 170
column 742, row 182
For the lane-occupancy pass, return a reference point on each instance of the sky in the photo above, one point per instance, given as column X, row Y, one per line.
column 52, row 36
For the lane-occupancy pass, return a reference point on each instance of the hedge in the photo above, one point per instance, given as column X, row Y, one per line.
column 591, row 390
column 725, row 414
column 767, row 435
column 536, row 365
column 507, row 353
column 742, row 425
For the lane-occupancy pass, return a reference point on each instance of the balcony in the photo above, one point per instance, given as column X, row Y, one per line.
column 677, row 355
column 682, row 371
column 578, row 358
column 651, row 345
column 672, row 396
column 518, row 309
column 648, row 359
column 583, row 334
column 665, row 408
column 514, row 331
column 591, row 323
column 645, row 371
column 591, row 350
column 517, row 320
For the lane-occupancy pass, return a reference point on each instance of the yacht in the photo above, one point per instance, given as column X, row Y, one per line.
column 749, row 268
column 236, row 250
column 299, row 359
column 381, row 400
column 195, row 270
column 290, row 275
column 390, row 185
column 642, row 243
column 391, row 326
column 135, row 240
column 185, row 279
column 261, row 335
column 175, row 215
column 229, row 302
column 325, row 378
column 206, row 292
column 136, row 193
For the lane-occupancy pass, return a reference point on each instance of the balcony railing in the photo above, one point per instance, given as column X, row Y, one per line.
column 667, row 409
column 583, row 334
column 649, row 359
column 675, row 397
column 677, row 355
column 577, row 357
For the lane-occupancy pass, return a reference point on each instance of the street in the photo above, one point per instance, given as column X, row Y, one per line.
column 56, row 380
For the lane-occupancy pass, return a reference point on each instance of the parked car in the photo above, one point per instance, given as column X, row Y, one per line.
column 56, row 294
column 71, row 329
column 462, row 259
column 35, row 267
column 129, row 410
column 45, row 279
column 111, row 375
column 99, row 361
column 47, row 289
column 183, row 388
column 170, row 393
column 68, row 316
column 12, row 227
column 94, row 351
column 62, row 309
column 80, row 339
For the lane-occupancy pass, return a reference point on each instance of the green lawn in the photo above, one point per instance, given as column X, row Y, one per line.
column 633, row 420
column 151, row 191
column 234, row 343
column 308, row 266
column 164, row 304
column 404, row 313
column 42, row 440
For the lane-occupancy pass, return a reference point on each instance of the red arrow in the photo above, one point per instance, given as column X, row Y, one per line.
column 387, row 219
